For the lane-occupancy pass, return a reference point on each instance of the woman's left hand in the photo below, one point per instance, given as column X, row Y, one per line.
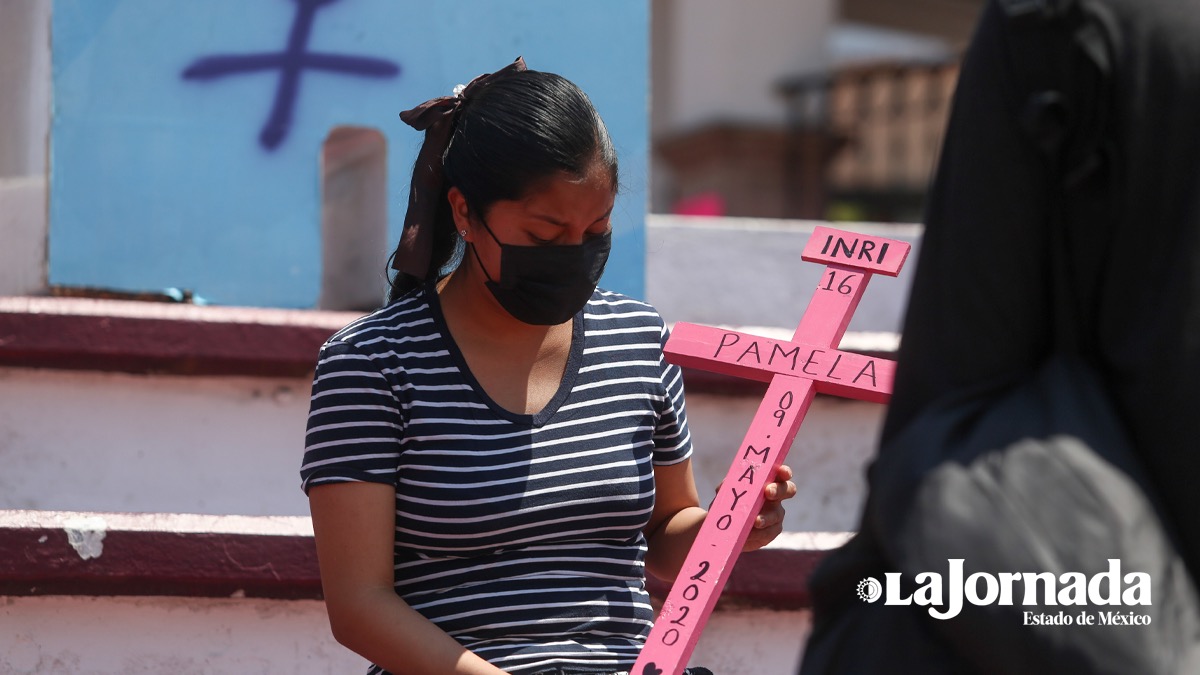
column 769, row 522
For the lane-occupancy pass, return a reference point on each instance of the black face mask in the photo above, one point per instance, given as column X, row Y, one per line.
column 546, row 285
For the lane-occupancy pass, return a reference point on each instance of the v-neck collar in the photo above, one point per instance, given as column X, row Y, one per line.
column 538, row 419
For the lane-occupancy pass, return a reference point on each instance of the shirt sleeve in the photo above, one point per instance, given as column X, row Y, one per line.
column 672, row 439
column 354, row 421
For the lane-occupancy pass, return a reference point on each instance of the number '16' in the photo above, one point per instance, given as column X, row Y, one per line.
column 843, row 286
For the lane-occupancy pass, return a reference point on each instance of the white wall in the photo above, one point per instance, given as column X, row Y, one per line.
column 72, row 441
column 748, row 272
column 829, row 456
column 92, row 441
column 84, row 441
column 151, row 636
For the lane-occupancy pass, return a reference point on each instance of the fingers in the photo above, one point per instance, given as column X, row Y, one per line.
column 783, row 487
column 779, row 491
column 767, row 526
column 772, row 514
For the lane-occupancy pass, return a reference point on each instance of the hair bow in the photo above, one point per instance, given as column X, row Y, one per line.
column 436, row 118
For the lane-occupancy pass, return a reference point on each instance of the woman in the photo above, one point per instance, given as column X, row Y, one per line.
column 496, row 457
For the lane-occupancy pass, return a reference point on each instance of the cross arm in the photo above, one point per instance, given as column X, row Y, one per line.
column 876, row 255
column 737, row 354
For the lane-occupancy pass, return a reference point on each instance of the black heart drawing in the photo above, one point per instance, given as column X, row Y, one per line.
column 651, row 669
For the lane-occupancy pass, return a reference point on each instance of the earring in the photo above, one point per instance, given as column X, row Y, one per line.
column 462, row 233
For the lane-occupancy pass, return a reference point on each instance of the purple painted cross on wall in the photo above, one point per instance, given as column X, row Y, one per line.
column 291, row 63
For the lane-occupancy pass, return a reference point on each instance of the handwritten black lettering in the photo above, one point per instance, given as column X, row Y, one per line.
column 834, row 367
column 829, row 286
column 848, row 249
column 778, row 415
column 868, row 246
column 724, row 522
column 738, row 495
column 748, row 472
column 725, row 344
column 699, row 576
column 765, row 452
column 776, row 349
column 868, row 371
column 785, row 402
column 752, row 348
column 684, row 611
column 811, row 361
column 843, row 286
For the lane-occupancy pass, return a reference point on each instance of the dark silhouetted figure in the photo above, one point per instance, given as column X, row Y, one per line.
column 1045, row 416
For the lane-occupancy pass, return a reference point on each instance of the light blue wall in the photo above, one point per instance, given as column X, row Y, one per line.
column 162, row 182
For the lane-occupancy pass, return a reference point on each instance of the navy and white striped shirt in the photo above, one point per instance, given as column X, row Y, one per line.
column 519, row 535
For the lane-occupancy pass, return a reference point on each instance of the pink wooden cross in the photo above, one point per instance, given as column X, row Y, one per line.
column 797, row 370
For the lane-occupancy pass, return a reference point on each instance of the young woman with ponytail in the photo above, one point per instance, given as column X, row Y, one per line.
column 497, row 456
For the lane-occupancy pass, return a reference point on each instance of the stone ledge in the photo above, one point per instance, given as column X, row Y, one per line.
column 107, row 554
column 181, row 339
column 137, row 337
column 65, row 553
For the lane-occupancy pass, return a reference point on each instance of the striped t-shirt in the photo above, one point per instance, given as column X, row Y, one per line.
column 519, row 535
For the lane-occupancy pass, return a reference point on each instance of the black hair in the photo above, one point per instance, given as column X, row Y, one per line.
column 510, row 135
